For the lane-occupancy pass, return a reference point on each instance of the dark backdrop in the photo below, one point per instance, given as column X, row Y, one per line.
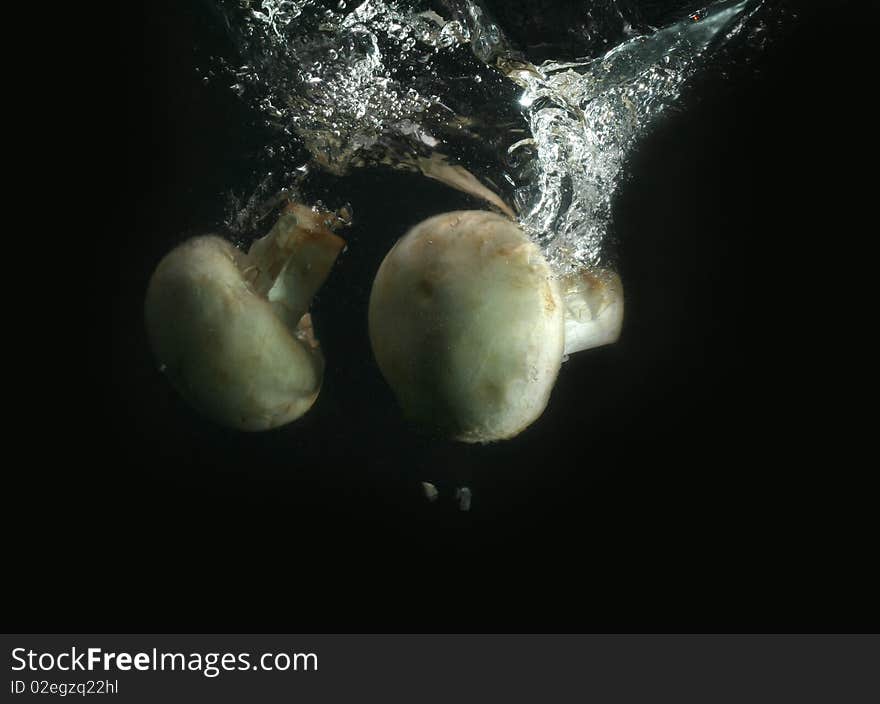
column 700, row 475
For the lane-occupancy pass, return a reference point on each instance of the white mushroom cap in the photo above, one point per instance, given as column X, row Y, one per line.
column 466, row 323
column 231, row 330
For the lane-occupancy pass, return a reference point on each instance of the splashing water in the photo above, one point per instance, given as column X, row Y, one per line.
column 410, row 83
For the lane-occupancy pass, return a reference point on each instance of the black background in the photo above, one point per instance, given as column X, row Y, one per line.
column 704, row 474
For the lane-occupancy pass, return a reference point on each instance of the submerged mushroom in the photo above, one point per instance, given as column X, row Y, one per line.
column 469, row 324
column 231, row 330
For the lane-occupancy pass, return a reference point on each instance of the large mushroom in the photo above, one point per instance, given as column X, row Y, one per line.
column 469, row 325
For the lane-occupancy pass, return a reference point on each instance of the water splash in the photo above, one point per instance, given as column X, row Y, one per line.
column 399, row 82
column 585, row 117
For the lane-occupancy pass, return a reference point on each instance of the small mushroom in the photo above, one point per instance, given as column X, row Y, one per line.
column 469, row 324
column 231, row 330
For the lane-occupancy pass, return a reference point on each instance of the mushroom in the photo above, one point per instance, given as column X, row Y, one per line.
column 469, row 325
column 231, row 330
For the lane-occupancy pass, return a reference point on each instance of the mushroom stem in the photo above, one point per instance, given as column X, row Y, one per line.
column 310, row 249
column 295, row 257
column 593, row 301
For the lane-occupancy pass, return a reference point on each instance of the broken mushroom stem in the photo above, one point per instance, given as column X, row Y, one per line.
column 593, row 302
